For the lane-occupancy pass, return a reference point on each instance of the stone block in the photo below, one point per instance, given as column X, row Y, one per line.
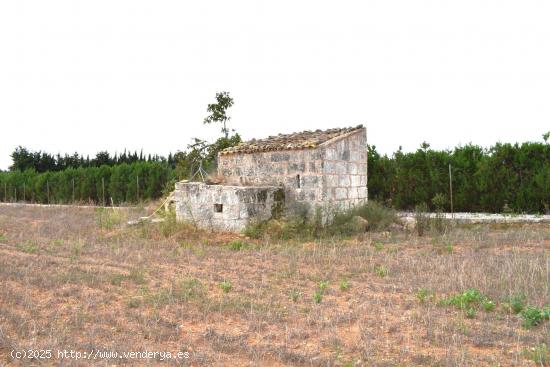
column 330, row 167
column 332, row 180
column 341, row 168
column 278, row 157
column 310, row 181
column 341, row 193
column 331, row 154
column 355, row 181
column 343, row 180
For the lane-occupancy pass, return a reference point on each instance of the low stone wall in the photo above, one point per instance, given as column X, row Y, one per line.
column 227, row 208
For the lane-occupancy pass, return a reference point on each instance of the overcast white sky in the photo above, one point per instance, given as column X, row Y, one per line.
column 107, row 75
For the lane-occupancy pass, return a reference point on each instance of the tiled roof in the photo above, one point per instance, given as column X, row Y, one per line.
column 301, row 140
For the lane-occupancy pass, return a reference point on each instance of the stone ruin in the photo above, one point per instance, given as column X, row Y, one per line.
column 319, row 171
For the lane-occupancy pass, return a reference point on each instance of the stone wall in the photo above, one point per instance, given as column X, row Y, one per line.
column 300, row 172
column 331, row 176
column 345, row 171
column 227, row 208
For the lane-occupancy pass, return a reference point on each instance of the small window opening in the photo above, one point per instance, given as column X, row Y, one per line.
column 218, row 208
column 298, row 182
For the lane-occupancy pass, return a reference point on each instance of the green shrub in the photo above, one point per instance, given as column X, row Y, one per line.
column 516, row 303
column 488, row 305
column 300, row 225
column 378, row 216
column 469, row 301
column 533, row 316
column 465, row 300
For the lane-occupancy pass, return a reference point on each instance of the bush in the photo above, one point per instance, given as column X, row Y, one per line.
column 301, row 225
column 533, row 316
column 469, row 301
column 516, row 303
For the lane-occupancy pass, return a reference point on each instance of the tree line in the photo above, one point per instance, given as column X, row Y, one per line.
column 502, row 178
column 24, row 159
column 103, row 185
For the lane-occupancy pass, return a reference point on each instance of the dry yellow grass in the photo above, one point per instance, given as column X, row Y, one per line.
column 79, row 279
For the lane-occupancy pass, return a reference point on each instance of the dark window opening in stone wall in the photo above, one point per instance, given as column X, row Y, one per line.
column 298, row 183
column 218, row 208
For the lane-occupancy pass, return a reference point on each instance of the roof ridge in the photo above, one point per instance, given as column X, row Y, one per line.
column 296, row 140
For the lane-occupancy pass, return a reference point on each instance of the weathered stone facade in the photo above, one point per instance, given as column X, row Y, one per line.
column 322, row 171
column 227, row 208
column 332, row 175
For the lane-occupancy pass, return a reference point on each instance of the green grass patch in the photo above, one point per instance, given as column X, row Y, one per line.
column 239, row 245
column 28, row 247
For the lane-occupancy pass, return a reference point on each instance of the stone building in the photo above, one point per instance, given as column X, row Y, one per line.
column 320, row 171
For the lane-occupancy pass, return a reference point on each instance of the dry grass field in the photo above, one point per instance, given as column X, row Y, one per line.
column 80, row 279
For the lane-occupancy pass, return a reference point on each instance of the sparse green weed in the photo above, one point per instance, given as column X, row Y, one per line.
column 424, row 295
column 323, row 285
column 28, row 247
column 294, row 295
column 470, row 313
column 381, row 270
column 226, row 286
column 345, row 285
column 540, row 354
column 318, row 297
column 238, row 245
column 109, row 218
column 378, row 246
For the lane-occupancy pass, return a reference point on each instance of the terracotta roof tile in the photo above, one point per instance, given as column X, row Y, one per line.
column 300, row 140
